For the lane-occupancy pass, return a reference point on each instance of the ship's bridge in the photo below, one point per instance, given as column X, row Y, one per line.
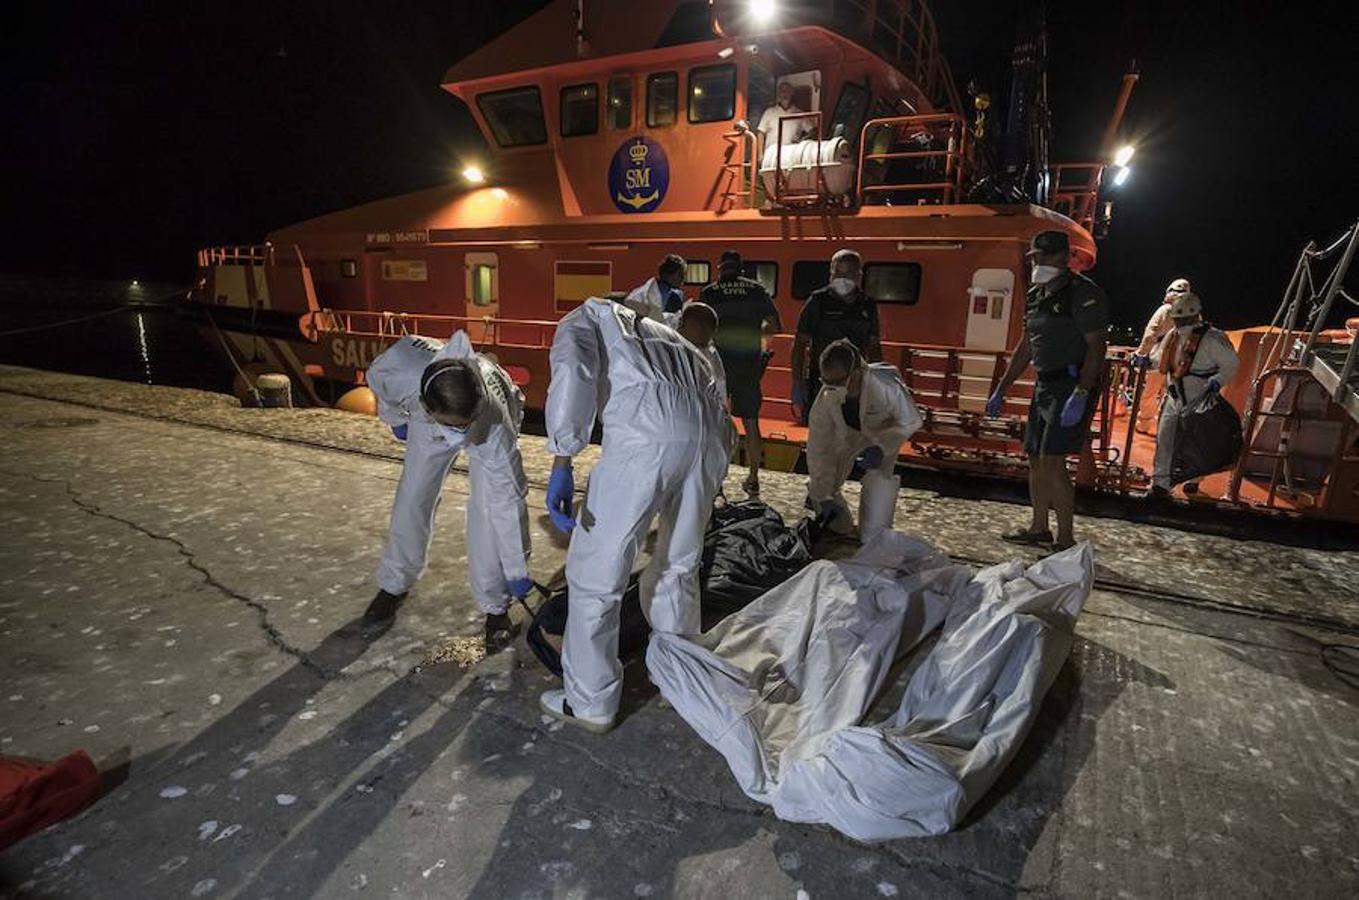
column 677, row 128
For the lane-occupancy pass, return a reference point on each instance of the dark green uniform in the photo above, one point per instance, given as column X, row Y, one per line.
column 1057, row 317
column 742, row 306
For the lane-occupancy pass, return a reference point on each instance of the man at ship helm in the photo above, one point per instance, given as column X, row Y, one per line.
column 441, row 400
column 1159, row 323
column 657, row 296
column 664, row 454
column 1066, row 323
column 1196, row 359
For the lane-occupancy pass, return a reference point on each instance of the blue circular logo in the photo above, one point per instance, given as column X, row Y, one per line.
column 638, row 176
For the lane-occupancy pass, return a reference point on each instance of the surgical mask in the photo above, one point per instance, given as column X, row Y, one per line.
column 842, row 287
column 455, row 435
column 1044, row 274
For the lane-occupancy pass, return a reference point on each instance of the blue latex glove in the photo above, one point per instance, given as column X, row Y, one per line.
column 400, row 432
column 800, row 395
column 1138, row 361
column 520, row 587
column 561, row 494
column 1214, row 386
column 872, row 457
column 994, row 404
column 1074, row 410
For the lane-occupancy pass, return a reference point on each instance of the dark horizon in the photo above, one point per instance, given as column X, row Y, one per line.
column 150, row 133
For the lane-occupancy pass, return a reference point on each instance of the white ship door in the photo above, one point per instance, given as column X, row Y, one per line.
column 483, row 293
column 988, row 328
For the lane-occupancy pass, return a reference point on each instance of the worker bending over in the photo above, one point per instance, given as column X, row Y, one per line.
column 1196, row 360
column 664, row 453
column 441, row 400
column 862, row 408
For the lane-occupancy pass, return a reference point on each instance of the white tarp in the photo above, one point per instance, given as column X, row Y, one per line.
column 780, row 687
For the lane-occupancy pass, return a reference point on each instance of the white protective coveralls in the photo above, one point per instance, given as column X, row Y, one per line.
column 1216, row 360
column 497, row 519
column 648, row 299
column 780, row 688
column 888, row 417
column 664, row 453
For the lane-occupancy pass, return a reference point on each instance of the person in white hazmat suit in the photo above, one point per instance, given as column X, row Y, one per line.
column 664, row 453
column 443, row 399
column 862, row 408
column 659, row 296
column 1159, row 323
column 1196, row 359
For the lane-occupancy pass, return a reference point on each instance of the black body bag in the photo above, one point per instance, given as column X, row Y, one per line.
column 1207, row 439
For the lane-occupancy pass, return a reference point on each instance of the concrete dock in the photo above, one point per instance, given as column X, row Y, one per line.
column 179, row 579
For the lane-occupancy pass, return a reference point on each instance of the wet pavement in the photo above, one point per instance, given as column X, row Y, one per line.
column 179, row 577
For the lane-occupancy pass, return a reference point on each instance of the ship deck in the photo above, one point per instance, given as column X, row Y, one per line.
column 203, row 560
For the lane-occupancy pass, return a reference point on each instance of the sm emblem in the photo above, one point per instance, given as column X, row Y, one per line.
column 638, row 176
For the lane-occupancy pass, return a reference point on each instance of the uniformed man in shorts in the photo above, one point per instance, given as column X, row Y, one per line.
column 1066, row 325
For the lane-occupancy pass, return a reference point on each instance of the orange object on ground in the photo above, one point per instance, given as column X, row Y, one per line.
column 34, row 795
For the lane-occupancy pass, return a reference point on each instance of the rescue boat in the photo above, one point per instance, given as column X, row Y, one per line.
column 611, row 146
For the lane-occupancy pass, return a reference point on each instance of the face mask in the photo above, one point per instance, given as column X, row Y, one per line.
column 1044, row 274
column 452, row 434
column 842, row 287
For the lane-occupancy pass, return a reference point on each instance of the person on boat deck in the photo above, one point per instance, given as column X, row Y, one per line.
column 794, row 130
column 440, row 400
column 839, row 310
column 1066, row 324
column 661, row 294
column 863, row 409
column 1196, row 359
column 664, row 454
column 1159, row 323
column 745, row 314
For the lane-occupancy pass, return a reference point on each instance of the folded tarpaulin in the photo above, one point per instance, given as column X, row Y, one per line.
column 780, row 687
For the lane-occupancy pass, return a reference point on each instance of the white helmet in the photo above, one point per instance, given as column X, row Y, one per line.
column 1179, row 286
column 1186, row 306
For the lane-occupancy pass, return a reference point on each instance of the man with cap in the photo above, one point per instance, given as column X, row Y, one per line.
column 1196, row 360
column 1066, row 323
column 745, row 313
column 1159, row 323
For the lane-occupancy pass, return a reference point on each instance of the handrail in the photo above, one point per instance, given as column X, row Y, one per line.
column 906, row 32
column 1078, row 202
column 383, row 324
column 743, row 139
column 260, row 254
column 954, row 155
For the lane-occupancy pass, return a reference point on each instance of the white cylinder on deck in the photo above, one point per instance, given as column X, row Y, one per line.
column 799, row 162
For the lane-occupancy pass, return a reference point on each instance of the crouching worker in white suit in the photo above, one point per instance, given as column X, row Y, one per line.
column 441, row 400
column 862, row 408
column 664, row 453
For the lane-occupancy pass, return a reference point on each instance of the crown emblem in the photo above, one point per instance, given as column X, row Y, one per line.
column 638, row 153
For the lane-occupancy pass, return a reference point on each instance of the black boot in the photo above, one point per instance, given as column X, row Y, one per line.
column 499, row 632
column 383, row 607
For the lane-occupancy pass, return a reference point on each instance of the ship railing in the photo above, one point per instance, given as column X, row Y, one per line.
column 741, row 168
column 904, row 30
column 248, row 255
column 949, row 127
column 1075, row 191
column 519, row 334
column 782, row 195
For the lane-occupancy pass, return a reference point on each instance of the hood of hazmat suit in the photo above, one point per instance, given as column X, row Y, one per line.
column 780, row 688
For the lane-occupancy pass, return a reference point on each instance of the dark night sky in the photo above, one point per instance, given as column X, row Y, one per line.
column 135, row 137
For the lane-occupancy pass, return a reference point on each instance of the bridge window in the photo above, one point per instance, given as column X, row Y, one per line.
column 697, row 271
column 712, row 93
column 620, row 103
column 766, row 273
column 662, row 99
column 580, row 110
column 808, row 275
column 349, row 268
column 893, row 282
column 515, row 116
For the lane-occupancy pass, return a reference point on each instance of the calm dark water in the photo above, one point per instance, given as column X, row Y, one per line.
column 151, row 344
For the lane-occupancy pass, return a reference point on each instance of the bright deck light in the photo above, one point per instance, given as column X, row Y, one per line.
column 474, row 175
column 762, row 11
column 1124, row 155
column 1121, row 176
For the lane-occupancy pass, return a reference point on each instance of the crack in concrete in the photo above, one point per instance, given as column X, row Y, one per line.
column 270, row 631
